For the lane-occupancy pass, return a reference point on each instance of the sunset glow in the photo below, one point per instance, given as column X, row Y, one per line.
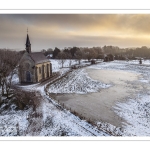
column 68, row 30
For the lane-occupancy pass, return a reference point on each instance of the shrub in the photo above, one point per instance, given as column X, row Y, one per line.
column 24, row 99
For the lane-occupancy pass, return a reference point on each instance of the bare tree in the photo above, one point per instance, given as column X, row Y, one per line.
column 62, row 58
column 69, row 56
column 8, row 62
column 79, row 55
column 91, row 54
column 4, row 69
column 25, row 98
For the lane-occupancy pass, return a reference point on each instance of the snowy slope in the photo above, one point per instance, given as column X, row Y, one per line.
column 137, row 114
column 53, row 121
column 77, row 82
column 58, row 122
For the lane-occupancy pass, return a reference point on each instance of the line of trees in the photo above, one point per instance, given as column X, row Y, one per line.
column 8, row 62
column 75, row 52
column 98, row 52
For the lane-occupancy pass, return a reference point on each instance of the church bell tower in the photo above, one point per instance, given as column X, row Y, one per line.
column 28, row 44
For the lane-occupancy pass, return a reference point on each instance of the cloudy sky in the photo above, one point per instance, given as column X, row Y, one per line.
column 67, row 30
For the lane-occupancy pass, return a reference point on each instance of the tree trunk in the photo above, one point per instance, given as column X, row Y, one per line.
column 7, row 88
column 2, row 90
column 7, row 93
column 79, row 62
column 70, row 63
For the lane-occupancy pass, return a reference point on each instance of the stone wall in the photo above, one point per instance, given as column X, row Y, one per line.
column 26, row 66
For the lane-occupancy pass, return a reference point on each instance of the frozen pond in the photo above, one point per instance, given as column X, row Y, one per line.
column 99, row 106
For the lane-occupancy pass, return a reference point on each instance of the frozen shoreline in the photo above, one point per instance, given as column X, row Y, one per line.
column 98, row 106
column 118, row 95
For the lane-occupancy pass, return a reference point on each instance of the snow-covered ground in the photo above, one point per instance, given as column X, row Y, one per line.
column 9, row 121
column 59, row 122
column 129, row 66
column 56, row 64
column 15, row 79
column 56, row 121
column 77, row 82
column 136, row 111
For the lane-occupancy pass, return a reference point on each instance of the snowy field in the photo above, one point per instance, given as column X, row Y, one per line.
column 56, row 121
column 53, row 121
column 9, row 121
column 135, row 111
column 56, row 64
column 137, row 114
column 77, row 82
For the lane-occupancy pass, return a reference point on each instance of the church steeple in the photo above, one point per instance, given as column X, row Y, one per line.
column 28, row 44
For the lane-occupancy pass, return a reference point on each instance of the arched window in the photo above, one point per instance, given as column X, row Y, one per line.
column 47, row 70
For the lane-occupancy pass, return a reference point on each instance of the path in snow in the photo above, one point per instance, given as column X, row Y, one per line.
column 134, row 109
column 50, row 120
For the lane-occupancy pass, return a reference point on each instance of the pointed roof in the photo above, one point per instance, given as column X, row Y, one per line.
column 38, row 57
column 28, row 40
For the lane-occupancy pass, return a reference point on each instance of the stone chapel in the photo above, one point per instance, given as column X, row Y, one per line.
column 34, row 67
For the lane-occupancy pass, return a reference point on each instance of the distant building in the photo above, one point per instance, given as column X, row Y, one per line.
column 50, row 56
column 33, row 66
